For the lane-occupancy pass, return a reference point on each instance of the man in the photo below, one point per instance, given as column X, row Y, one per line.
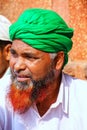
column 40, row 95
column 5, row 44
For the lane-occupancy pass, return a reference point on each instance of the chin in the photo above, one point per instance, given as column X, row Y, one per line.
column 20, row 99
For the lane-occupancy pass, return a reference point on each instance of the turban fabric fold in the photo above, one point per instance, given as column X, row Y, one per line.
column 44, row 30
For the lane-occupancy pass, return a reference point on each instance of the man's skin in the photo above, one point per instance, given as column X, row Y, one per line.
column 28, row 64
column 4, row 59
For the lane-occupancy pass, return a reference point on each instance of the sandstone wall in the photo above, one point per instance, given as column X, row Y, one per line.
column 75, row 14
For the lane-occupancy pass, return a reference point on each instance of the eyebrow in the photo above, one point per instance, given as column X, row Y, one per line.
column 26, row 53
column 12, row 50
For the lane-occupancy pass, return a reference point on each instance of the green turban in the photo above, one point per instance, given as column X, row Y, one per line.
column 44, row 30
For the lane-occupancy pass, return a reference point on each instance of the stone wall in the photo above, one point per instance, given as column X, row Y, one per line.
column 77, row 65
column 75, row 14
column 13, row 8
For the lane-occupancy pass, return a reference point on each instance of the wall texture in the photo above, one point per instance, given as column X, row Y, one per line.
column 78, row 56
column 75, row 14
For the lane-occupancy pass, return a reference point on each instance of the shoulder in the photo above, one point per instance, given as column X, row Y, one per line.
column 77, row 90
column 72, row 81
column 4, row 88
column 5, row 84
column 5, row 80
column 77, row 87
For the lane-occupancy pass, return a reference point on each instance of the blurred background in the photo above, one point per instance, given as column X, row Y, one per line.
column 74, row 13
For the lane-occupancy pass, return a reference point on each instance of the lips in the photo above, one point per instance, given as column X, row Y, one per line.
column 22, row 78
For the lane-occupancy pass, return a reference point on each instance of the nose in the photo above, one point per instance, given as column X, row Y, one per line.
column 19, row 64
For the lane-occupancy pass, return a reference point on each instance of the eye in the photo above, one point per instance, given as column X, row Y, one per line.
column 30, row 57
column 13, row 53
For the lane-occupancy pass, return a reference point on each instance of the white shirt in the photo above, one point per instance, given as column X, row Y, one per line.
column 69, row 112
column 6, row 73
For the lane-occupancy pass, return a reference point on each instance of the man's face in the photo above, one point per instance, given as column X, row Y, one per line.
column 3, row 62
column 29, row 65
column 33, row 75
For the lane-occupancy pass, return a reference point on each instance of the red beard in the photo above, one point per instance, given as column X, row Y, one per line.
column 20, row 99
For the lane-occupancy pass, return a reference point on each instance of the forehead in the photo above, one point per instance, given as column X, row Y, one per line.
column 21, row 47
column 17, row 44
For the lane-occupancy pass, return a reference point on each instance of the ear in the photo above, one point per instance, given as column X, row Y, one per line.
column 59, row 60
column 7, row 51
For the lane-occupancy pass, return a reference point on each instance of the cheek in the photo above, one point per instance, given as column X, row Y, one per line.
column 11, row 62
column 2, row 61
column 38, row 70
column 1, row 58
column 1, row 64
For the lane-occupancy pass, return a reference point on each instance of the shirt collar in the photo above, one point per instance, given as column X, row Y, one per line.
column 63, row 96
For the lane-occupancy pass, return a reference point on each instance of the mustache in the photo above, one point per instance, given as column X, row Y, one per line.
column 21, row 85
column 38, row 85
column 20, row 74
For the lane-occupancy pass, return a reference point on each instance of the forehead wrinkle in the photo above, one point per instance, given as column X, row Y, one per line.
column 22, row 47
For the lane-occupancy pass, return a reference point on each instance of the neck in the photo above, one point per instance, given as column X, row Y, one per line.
column 51, row 93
